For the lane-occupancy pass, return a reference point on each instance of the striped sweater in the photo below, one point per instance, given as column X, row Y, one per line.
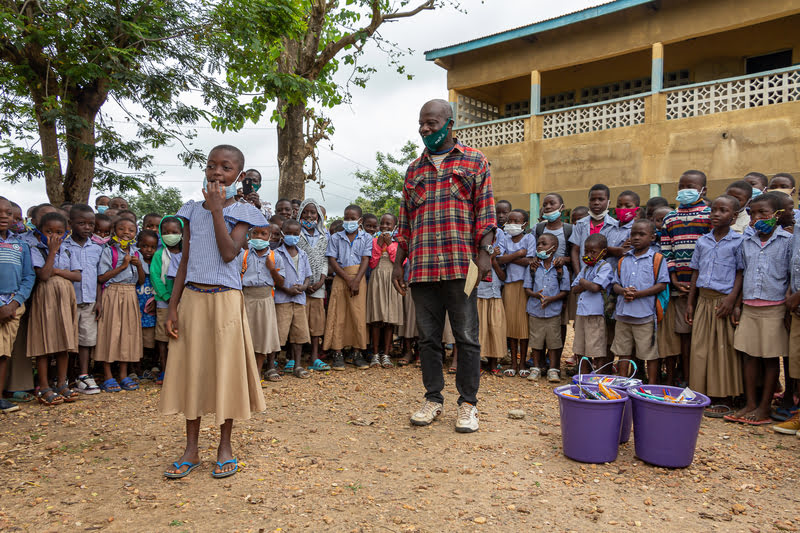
column 681, row 230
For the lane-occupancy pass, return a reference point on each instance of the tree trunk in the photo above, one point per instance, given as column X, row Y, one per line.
column 48, row 137
column 81, row 142
column 292, row 153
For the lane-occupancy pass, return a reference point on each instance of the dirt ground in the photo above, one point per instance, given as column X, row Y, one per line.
column 336, row 453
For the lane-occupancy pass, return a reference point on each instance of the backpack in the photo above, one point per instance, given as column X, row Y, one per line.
column 244, row 260
column 662, row 298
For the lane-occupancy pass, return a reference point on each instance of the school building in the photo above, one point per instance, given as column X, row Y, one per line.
column 631, row 93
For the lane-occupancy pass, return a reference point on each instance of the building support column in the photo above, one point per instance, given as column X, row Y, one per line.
column 534, row 210
column 657, row 74
column 452, row 96
column 655, row 190
column 536, row 92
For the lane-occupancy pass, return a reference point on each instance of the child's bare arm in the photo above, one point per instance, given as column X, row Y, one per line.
column 180, row 281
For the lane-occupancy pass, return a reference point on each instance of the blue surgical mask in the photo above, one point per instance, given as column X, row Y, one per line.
column 291, row 240
column 544, row 254
column 350, row 225
column 102, row 208
column 687, row 196
column 552, row 216
column 258, row 244
column 230, row 190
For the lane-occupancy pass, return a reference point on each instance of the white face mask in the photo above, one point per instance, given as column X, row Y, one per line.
column 513, row 229
column 601, row 215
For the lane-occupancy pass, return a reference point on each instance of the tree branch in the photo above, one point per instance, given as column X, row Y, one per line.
column 378, row 18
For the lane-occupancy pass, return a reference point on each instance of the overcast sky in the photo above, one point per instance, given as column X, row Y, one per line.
column 381, row 117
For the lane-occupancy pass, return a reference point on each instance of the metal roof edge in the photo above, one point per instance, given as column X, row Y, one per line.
column 536, row 27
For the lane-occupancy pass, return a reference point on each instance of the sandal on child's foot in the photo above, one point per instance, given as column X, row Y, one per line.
column 110, row 385
column 509, row 372
column 386, row 361
column 301, row 372
column 178, row 466
column 128, row 384
column 524, row 373
column 225, row 473
column 49, row 397
column 288, row 368
column 68, row 394
column 554, row 375
column 535, row 374
column 407, row 359
column 319, row 366
column 273, row 375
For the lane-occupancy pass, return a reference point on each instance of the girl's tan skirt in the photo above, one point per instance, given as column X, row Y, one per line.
column 715, row 368
column 669, row 342
column 347, row 315
column 408, row 329
column 761, row 332
column 261, row 317
column 53, row 319
column 384, row 304
column 8, row 334
column 211, row 366
column 119, row 331
column 492, row 327
column 514, row 302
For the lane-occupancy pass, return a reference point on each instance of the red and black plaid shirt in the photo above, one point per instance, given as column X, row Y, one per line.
column 445, row 213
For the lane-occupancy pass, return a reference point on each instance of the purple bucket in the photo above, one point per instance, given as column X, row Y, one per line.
column 665, row 434
column 589, row 428
column 627, row 415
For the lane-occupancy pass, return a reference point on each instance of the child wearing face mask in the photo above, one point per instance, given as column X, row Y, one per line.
column 384, row 304
column 102, row 229
column 517, row 248
column 292, row 278
column 785, row 183
column 679, row 235
column 314, row 241
column 743, row 192
column 546, row 286
column 147, row 244
column 53, row 321
column 257, row 266
column 348, row 257
column 626, row 212
column 552, row 207
column 760, row 334
column 170, row 232
column 119, row 329
column 590, row 284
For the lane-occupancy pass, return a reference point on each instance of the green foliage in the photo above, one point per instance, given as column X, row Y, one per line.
column 164, row 201
column 382, row 190
column 62, row 61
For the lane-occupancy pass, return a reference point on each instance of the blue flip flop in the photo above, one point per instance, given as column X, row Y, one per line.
column 220, row 475
column 178, row 466
column 288, row 368
column 110, row 385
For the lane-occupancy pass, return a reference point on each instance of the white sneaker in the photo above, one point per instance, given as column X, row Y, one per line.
column 429, row 412
column 535, row 373
column 86, row 385
column 467, row 421
column 554, row 375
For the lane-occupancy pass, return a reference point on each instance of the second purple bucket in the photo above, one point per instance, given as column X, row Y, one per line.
column 665, row 434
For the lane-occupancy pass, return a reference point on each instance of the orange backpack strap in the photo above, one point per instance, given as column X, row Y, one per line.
column 657, row 259
column 244, row 262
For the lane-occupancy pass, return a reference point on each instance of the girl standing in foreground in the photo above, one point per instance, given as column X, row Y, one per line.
column 211, row 367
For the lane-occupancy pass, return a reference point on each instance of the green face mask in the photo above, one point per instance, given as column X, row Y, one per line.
column 435, row 140
column 171, row 239
column 256, row 186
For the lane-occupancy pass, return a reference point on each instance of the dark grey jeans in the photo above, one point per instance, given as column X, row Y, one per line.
column 431, row 300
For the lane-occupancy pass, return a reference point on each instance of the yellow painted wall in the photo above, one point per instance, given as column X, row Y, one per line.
column 765, row 139
column 615, row 35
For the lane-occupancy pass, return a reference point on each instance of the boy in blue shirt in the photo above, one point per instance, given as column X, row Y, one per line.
column 590, row 284
column 292, row 278
column 636, row 286
column 16, row 282
column 80, row 244
column 546, row 287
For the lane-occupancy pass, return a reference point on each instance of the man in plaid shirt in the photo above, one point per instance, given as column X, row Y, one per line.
column 447, row 219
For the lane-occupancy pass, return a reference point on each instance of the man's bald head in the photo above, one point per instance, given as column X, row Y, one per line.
column 439, row 107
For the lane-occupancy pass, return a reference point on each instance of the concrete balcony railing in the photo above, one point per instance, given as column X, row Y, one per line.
column 617, row 113
column 494, row 133
column 743, row 92
column 718, row 96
